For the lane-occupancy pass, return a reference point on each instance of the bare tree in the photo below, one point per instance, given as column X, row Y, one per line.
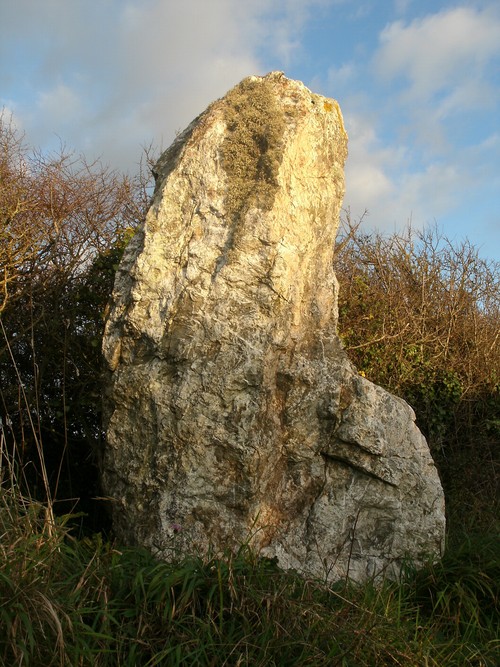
column 63, row 226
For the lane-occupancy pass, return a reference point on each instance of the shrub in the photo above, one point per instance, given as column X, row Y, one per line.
column 63, row 226
column 420, row 315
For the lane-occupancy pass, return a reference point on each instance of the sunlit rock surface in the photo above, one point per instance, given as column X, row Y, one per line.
column 233, row 414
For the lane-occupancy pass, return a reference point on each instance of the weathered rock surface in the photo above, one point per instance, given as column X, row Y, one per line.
column 233, row 413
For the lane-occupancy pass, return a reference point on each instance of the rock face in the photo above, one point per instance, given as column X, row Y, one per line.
column 233, row 414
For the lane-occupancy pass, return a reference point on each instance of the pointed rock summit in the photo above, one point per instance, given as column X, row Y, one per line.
column 233, row 413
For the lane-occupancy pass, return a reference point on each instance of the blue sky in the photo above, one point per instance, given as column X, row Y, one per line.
column 418, row 82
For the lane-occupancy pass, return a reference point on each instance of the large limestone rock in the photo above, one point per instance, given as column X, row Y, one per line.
column 233, row 414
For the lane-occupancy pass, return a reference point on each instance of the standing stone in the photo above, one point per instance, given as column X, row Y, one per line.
column 233, row 413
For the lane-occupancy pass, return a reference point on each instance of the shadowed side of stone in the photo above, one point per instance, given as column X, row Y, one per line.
column 233, row 414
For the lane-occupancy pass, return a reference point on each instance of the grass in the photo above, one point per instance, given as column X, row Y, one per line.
column 68, row 601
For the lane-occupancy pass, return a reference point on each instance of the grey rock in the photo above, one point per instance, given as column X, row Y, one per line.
column 233, row 413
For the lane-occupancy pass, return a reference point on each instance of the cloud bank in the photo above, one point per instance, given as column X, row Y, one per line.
column 432, row 140
column 112, row 76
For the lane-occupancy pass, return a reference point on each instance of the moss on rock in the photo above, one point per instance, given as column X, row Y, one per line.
column 252, row 149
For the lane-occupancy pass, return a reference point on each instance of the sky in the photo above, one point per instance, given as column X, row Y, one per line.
column 418, row 82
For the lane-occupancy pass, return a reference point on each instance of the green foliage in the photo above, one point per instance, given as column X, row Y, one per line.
column 50, row 605
column 251, row 151
column 463, row 587
column 84, row 602
column 64, row 225
column 53, row 346
column 436, row 397
column 420, row 316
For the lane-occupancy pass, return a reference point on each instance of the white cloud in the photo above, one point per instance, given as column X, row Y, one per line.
column 342, row 75
column 61, row 104
column 436, row 185
column 381, row 180
column 362, row 11
column 118, row 75
column 471, row 94
column 492, row 142
column 392, row 200
column 419, row 153
column 439, row 51
column 368, row 160
column 367, row 172
column 401, row 6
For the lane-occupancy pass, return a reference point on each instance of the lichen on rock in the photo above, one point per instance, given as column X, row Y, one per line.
column 252, row 148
